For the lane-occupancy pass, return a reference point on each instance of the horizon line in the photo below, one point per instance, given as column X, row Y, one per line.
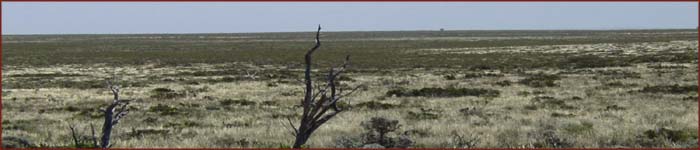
column 418, row 30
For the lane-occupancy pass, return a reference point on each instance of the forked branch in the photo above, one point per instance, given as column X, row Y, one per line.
column 317, row 103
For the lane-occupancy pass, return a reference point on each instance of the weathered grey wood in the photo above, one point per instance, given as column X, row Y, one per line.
column 112, row 114
column 317, row 103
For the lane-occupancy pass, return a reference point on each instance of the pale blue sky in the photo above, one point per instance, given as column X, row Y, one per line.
column 211, row 17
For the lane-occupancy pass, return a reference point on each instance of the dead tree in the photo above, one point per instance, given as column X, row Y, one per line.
column 318, row 102
column 112, row 114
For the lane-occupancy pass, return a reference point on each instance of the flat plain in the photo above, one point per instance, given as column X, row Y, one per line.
column 529, row 88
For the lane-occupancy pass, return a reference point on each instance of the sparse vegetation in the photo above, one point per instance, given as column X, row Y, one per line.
column 456, row 89
column 443, row 92
column 541, row 80
column 670, row 89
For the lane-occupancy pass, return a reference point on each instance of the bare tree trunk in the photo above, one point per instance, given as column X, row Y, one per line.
column 316, row 104
column 112, row 114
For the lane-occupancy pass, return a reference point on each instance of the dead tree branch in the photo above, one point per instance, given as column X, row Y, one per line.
column 316, row 103
column 112, row 115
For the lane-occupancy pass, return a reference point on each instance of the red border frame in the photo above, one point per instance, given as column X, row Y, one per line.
column 349, row 0
column 356, row 1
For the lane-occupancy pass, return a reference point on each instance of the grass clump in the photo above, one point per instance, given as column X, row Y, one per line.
column 444, row 92
column 380, row 133
column 16, row 142
column 591, row 61
column 423, row 114
column 181, row 125
column 166, row 93
column 670, row 89
column 164, row 109
column 541, row 80
column 241, row 102
column 45, row 75
column 665, row 137
column 670, row 134
column 504, row 83
column 578, row 128
column 376, row 105
column 618, row 74
column 139, row 133
column 548, row 102
column 479, row 75
column 472, row 111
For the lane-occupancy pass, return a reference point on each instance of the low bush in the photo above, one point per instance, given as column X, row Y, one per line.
column 578, row 128
column 665, row 137
column 548, row 102
column 670, row 89
column 479, row 75
column 444, row 92
column 504, row 83
column 376, row 105
column 541, row 80
column 591, row 61
column 472, row 111
column 423, row 114
column 164, row 109
column 241, row 102
column 139, row 133
column 618, row 74
column 165, row 93
column 379, row 133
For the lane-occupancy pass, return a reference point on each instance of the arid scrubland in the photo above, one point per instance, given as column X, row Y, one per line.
column 624, row 88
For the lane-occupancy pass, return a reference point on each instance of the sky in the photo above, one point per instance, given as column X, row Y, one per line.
column 238, row 17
